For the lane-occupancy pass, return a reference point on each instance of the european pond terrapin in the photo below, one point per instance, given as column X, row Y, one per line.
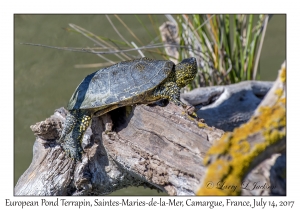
column 139, row 81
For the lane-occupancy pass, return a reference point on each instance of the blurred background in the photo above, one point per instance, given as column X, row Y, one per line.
column 44, row 79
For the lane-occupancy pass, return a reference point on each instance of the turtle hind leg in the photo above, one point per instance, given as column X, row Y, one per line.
column 69, row 124
column 72, row 140
column 72, row 147
column 84, row 122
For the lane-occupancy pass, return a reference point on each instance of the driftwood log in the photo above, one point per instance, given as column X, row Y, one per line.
column 236, row 154
column 143, row 145
column 158, row 147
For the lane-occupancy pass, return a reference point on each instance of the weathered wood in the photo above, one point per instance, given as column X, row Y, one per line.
column 162, row 145
column 154, row 146
column 268, row 178
column 233, row 104
column 169, row 36
column 236, row 154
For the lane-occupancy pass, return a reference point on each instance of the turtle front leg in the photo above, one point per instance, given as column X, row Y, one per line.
column 171, row 91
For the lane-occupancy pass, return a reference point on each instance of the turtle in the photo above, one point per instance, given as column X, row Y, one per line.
column 139, row 81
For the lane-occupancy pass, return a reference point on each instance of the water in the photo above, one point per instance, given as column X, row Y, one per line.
column 44, row 79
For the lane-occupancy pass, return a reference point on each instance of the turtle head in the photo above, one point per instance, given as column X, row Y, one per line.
column 185, row 71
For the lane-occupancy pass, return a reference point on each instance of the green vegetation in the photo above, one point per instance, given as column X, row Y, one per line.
column 227, row 47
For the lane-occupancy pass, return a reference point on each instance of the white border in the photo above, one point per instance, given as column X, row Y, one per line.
column 8, row 9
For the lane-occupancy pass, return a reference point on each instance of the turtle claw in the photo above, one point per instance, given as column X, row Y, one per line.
column 77, row 155
column 72, row 150
column 190, row 110
column 73, row 154
column 108, row 128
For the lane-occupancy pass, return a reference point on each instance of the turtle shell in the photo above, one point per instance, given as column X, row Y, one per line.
column 119, row 82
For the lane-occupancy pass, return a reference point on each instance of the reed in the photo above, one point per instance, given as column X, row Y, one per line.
column 227, row 47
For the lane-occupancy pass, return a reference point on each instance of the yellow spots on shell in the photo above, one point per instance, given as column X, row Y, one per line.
column 147, row 59
column 167, row 71
column 140, row 67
